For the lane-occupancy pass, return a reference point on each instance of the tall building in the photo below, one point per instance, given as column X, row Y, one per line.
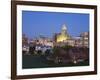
column 63, row 35
column 85, row 39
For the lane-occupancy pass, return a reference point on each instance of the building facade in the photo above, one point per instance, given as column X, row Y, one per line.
column 63, row 35
column 63, row 38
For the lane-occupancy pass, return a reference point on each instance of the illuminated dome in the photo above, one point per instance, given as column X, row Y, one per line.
column 63, row 35
column 64, row 27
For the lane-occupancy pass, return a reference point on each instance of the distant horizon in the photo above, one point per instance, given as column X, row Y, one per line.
column 48, row 37
column 47, row 23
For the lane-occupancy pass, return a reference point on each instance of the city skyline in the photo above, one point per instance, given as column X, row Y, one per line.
column 48, row 23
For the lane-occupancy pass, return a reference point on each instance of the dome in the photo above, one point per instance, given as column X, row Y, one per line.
column 64, row 27
column 63, row 35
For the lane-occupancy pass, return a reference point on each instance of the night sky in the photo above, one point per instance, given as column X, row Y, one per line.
column 48, row 23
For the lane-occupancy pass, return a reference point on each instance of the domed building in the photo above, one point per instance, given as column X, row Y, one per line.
column 63, row 35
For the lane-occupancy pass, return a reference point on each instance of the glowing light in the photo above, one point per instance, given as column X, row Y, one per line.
column 63, row 35
column 61, row 38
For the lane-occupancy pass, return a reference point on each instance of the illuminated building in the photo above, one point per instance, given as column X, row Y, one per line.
column 63, row 38
column 85, row 39
column 63, row 35
column 45, row 41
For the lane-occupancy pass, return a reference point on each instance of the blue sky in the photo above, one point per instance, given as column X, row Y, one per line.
column 48, row 23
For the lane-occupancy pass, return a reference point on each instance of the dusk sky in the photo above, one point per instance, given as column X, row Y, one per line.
column 48, row 23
